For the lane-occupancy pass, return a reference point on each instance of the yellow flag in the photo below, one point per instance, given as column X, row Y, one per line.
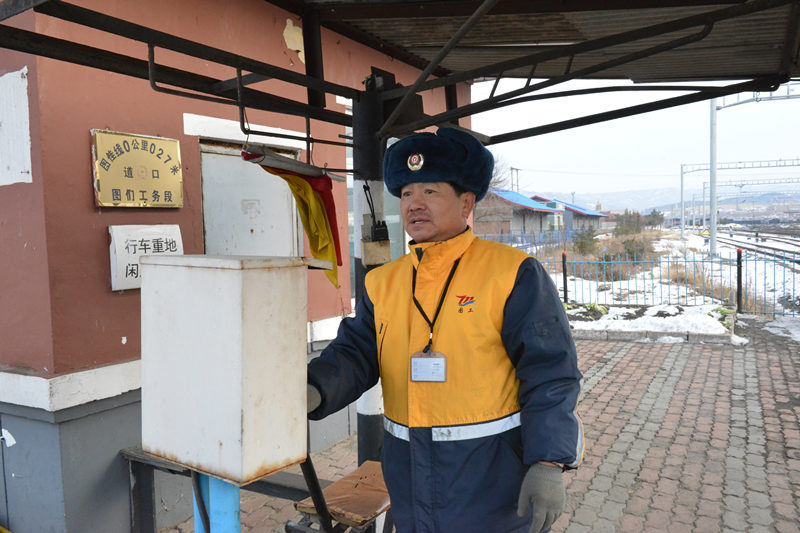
column 314, row 218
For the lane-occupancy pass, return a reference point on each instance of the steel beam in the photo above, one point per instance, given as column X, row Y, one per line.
column 765, row 84
column 601, row 90
column 10, row 8
column 42, row 45
column 493, row 101
column 484, row 8
column 136, row 32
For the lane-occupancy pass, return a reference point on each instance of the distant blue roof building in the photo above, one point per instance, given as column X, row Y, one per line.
column 504, row 212
column 523, row 201
column 576, row 218
column 572, row 207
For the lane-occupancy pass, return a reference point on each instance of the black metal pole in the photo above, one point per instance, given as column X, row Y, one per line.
column 367, row 159
column 738, row 280
column 564, row 272
column 325, row 520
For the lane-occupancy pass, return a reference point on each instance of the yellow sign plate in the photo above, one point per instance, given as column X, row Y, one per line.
column 136, row 170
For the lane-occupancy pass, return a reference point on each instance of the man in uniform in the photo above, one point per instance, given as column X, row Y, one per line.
column 478, row 368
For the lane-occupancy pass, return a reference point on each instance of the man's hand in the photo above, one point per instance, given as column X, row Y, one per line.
column 543, row 488
column 313, row 398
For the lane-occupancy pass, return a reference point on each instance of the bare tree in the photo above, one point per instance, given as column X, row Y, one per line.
column 501, row 175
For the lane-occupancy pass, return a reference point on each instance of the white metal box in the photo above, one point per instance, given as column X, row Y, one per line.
column 224, row 353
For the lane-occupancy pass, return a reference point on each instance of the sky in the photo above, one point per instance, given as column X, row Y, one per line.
column 639, row 152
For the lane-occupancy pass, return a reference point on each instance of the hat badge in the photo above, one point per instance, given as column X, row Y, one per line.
column 415, row 161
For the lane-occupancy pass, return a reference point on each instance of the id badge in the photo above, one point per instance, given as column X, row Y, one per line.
column 429, row 367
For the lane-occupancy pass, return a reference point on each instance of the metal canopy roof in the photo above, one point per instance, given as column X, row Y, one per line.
column 559, row 40
column 546, row 42
column 748, row 39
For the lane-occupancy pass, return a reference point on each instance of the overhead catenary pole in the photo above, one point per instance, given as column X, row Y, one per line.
column 703, row 207
column 712, row 192
column 683, row 210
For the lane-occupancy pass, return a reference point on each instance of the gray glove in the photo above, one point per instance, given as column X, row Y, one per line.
column 313, row 398
column 543, row 488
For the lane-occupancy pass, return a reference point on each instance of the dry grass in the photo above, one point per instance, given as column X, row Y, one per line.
column 613, row 264
column 699, row 280
column 611, row 260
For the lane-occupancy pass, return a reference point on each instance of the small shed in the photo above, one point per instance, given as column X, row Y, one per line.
column 576, row 218
column 509, row 212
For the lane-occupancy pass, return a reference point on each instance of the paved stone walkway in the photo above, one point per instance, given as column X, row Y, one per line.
column 680, row 438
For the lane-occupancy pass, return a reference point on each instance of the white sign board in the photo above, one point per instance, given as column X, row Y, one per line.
column 15, row 134
column 129, row 243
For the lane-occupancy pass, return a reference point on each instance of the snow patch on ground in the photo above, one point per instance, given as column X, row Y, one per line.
column 693, row 319
column 785, row 326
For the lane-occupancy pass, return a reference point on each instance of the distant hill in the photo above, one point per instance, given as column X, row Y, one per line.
column 646, row 200
column 641, row 200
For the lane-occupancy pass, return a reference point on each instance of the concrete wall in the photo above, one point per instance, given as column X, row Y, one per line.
column 64, row 472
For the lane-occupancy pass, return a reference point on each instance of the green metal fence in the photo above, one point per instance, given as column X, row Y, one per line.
column 751, row 283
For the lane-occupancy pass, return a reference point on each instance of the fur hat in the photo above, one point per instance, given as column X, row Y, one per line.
column 450, row 155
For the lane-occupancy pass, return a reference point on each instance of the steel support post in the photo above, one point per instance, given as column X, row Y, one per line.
column 313, row 55
column 739, row 281
column 712, row 192
column 367, row 160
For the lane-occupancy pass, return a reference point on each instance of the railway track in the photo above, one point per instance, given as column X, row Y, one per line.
column 769, row 251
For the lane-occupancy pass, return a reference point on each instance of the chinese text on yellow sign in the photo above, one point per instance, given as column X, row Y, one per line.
column 136, row 171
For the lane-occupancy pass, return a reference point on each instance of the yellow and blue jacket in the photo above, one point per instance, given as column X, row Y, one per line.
column 455, row 452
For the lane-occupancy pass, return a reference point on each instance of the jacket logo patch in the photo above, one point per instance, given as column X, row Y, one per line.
column 464, row 301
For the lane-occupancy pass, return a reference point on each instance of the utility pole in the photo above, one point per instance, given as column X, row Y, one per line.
column 514, row 178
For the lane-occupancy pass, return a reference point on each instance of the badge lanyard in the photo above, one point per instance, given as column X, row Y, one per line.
column 438, row 307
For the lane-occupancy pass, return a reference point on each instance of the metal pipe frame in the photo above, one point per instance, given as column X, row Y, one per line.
column 42, row 45
column 136, row 32
column 247, row 131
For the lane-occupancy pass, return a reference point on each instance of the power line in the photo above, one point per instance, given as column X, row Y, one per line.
column 585, row 173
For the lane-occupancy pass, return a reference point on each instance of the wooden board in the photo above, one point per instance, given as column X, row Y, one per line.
column 356, row 499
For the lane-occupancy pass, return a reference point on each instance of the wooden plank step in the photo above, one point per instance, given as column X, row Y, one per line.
column 356, row 499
